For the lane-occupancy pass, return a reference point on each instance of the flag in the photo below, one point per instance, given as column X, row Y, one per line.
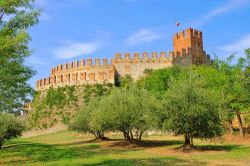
column 177, row 23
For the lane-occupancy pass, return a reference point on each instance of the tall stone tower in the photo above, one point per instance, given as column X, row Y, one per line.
column 192, row 41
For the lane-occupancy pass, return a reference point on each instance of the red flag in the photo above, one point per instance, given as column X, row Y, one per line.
column 177, row 23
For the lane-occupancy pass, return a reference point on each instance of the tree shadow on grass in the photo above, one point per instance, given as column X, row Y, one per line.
column 36, row 152
column 146, row 143
column 95, row 140
column 203, row 148
column 217, row 147
column 166, row 161
column 160, row 143
column 43, row 153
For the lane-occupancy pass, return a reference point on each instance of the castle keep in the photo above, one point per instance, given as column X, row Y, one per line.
column 188, row 50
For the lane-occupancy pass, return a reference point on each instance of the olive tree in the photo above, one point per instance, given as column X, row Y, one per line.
column 10, row 127
column 87, row 120
column 131, row 111
column 191, row 109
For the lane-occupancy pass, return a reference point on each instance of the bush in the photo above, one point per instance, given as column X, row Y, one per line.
column 125, row 81
column 10, row 127
column 131, row 111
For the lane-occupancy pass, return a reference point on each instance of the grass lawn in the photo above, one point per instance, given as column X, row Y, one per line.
column 69, row 148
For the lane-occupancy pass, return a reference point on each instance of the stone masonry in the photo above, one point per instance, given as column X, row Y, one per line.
column 188, row 50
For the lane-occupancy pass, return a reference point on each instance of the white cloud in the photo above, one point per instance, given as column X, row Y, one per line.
column 75, row 49
column 142, row 36
column 35, row 60
column 40, row 2
column 231, row 5
column 45, row 17
column 238, row 47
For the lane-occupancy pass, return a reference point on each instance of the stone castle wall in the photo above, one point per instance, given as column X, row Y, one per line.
column 188, row 50
column 78, row 73
column 125, row 65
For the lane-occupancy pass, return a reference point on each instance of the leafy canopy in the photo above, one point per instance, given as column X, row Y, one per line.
column 16, row 17
column 191, row 109
column 131, row 111
column 158, row 80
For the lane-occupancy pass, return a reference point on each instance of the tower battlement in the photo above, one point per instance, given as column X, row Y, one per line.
column 190, row 39
column 188, row 33
column 188, row 50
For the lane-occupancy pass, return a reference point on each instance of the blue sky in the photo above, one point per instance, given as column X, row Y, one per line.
column 78, row 29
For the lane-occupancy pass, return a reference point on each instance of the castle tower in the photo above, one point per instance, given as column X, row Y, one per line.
column 190, row 40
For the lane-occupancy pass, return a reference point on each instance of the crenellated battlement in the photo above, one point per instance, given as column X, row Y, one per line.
column 134, row 64
column 79, row 64
column 188, row 33
column 145, row 56
column 188, row 50
column 79, row 72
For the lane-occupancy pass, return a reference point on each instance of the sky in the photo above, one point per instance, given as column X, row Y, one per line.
column 70, row 30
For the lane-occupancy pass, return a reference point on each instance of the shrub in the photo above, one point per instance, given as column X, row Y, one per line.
column 10, row 127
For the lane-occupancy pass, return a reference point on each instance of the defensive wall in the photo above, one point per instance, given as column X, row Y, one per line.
column 188, row 50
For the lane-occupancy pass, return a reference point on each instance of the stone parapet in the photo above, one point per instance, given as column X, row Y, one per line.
column 78, row 73
column 187, row 50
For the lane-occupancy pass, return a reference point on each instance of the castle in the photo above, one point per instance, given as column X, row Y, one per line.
column 188, row 50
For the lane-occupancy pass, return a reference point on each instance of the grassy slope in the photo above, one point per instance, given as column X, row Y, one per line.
column 68, row 148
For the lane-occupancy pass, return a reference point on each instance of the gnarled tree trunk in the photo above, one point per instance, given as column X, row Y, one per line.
column 1, row 143
column 230, row 122
column 240, row 123
column 188, row 141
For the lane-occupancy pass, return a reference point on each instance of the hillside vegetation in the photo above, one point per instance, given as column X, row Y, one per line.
column 58, row 105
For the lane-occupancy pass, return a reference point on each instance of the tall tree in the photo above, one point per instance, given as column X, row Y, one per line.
column 191, row 109
column 237, row 87
column 16, row 17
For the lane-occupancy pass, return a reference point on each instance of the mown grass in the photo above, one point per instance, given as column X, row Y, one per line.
column 68, row 148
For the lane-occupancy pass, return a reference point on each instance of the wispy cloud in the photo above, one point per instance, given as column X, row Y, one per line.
column 143, row 36
column 237, row 47
column 35, row 60
column 231, row 5
column 75, row 49
column 40, row 2
column 45, row 16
